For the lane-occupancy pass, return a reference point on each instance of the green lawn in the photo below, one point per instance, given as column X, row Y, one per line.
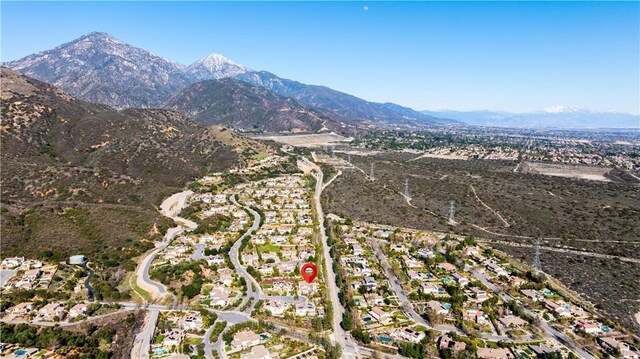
column 264, row 248
column 139, row 291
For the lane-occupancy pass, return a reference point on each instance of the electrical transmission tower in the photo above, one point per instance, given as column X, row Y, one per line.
column 373, row 167
column 536, row 257
column 452, row 212
column 406, row 188
column 333, row 151
column 349, row 157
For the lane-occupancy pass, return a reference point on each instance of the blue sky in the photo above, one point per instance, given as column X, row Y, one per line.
column 463, row 55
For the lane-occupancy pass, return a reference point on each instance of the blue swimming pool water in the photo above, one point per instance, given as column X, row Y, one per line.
column 385, row 339
column 20, row 352
column 446, row 305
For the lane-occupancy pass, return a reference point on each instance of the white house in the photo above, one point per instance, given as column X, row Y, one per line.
column 380, row 315
column 305, row 309
column 219, row 296
column 257, row 352
column 244, row 339
column 276, row 307
column 191, row 322
column 77, row 310
column 173, row 338
column 408, row 334
column 51, row 310
column 13, row 262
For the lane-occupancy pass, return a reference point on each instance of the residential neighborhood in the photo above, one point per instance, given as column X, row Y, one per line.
column 228, row 284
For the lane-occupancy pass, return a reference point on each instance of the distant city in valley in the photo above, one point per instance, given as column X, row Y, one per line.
column 153, row 209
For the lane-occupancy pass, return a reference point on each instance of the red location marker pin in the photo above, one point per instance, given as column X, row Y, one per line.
column 309, row 272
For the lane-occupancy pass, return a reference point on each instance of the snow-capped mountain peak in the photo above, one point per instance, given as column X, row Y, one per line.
column 100, row 68
column 215, row 66
column 564, row 109
column 217, row 60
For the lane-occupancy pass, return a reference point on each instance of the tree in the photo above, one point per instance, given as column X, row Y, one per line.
column 412, row 350
column 361, row 336
column 347, row 322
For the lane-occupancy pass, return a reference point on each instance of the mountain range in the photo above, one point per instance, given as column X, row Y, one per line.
column 99, row 68
column 246, row 107
column 79, row 177
column 347, row 106
column 553, row 117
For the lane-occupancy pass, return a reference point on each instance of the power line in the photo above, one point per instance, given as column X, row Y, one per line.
column 452, row 212
column 536, row 257
column 406, row 188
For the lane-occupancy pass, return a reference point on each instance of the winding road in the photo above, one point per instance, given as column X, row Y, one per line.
column 170, row 207
column 157, row 290
column 87, row 283
column 253, row 287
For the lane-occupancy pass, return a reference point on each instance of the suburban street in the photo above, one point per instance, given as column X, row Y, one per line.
column 349, row 348
column 559, row 336
column 397, row 288
column 404, row 300
column 155, row 289
column 253, row 287
column 170, row 207
column 339, row 336
column 142, row 343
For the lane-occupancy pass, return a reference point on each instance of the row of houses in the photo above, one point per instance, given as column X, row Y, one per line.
column 50, row 312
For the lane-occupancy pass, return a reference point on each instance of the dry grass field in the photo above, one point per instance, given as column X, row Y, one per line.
column 493, row 202
column 612, row 286
column 561, row 170
column 312, row 140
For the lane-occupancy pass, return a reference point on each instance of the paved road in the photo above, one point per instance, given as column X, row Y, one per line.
column 5, row 275
column 561, row 250
column 234, row 254
column 155, row 289
column 397, row 288
column 404, row 300
column 142, row 343
column 61, row 324
column 198, row 253
column 170, row 207
column 349, row 348
column 87, row 283
column 230, row 316
column 218, row 346
column 559, row 336
column 408, row 307
column 208, row 345
column 173, row 205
